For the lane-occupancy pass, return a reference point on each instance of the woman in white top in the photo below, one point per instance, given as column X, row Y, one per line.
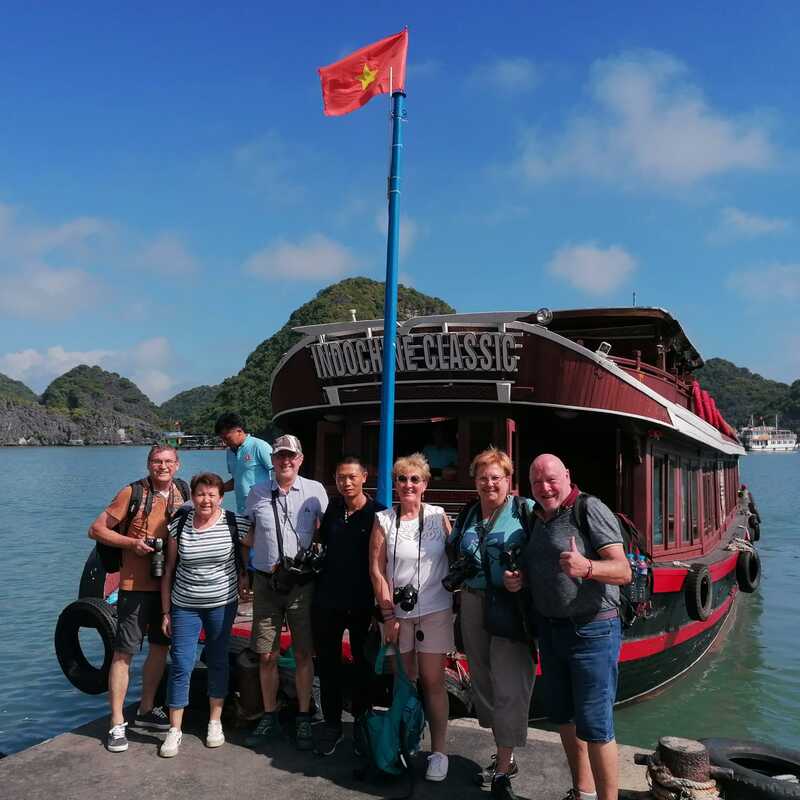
column 407, row 564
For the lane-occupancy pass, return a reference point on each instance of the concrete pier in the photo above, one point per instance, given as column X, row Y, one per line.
column 76, row 766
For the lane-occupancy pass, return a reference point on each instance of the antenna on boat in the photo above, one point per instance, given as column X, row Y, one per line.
column 634, row 299
column 353, row 315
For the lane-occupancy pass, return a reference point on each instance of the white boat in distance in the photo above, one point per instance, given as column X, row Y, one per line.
column 768, row 438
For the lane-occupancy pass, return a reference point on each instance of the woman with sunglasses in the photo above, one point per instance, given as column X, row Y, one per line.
column 407, row 564
column 495, row 637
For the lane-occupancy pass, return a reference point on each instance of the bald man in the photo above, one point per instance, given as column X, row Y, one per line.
column 574, row 575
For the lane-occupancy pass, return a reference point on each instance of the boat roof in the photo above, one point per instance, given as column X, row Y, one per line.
column 626, row 329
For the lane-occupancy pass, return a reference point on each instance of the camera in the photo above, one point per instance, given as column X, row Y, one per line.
column 460, row 570
column 405, row 597
column 310, row 560
column 510, row 558
column 156, row 557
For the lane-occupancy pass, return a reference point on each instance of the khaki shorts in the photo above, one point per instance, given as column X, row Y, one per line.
column 437, row 629
column 270, row 609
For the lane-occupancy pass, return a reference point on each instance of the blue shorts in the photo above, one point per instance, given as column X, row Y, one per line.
column 579, row 673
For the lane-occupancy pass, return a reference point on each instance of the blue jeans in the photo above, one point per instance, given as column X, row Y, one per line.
column 186, row 626
column 579, row 673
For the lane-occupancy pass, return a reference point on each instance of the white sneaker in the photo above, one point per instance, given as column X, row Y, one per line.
column 214, row 736
column 437, row 767
column 171, row 743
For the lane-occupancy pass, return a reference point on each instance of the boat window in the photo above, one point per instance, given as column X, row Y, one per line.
column 658, row 504
column 693, row 482
column 670, row 503
column 686, row 525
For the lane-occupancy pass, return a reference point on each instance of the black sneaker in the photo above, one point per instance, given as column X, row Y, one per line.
column 486, row 775
column 501, row 788
column 303, row 738
column 154, row 720
column 328, row 736
column 117, row 742
column 268, row 727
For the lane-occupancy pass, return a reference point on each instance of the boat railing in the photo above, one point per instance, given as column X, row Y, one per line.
column 639, row 366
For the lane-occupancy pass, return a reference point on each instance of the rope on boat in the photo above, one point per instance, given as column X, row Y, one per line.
column 665, row 786
column 739, row 543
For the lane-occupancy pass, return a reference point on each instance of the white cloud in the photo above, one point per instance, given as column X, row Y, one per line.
column 508, row 75
column 409, row 230
column 592, row 269
column 148, row 364
column 314, row 258
column 737, row 224
column 649, row 123
column 36, row 291
column 774, row 283
column 270, row 163
column 167, row 255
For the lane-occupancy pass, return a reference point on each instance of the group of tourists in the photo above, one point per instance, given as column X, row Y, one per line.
column 528, row 578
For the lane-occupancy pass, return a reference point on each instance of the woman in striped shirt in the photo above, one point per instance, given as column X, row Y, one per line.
column 200, row 590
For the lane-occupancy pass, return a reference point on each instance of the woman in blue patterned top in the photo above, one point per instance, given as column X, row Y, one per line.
column 200, row 590
column 495, row 640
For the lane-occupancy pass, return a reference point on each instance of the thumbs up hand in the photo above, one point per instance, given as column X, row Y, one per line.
column 572, row 562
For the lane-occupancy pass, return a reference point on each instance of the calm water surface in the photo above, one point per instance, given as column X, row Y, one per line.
column 749, row 688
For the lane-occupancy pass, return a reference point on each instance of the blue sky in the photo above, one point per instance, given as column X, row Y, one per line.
column 170, row 189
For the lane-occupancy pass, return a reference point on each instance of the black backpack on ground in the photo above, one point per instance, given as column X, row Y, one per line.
column 111, row 557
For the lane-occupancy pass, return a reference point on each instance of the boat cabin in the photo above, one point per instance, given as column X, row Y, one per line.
column 607, row 390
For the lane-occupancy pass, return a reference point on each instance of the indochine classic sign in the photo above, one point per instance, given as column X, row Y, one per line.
column 486, row 351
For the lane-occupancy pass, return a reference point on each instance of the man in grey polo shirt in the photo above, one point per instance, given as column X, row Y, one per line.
column 286, row 511
column 574, row 572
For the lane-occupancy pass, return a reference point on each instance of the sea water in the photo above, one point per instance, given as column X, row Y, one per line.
column 749, row 687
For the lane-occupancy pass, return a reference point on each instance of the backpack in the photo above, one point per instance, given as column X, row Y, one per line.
column 182, row 515
column 633, row 542
column 111, row 557
column 389, row 738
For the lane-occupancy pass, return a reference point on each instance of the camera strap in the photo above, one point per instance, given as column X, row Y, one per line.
column 278, row 530
column 419, row 542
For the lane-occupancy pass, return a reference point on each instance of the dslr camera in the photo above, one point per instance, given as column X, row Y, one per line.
column 405, row 596
column 460, row 570
column 156, row 557
column 510, row 558
column 308, row 561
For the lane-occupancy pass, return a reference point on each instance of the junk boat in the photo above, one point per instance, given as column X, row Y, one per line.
column 768, row 438
column 610, row 391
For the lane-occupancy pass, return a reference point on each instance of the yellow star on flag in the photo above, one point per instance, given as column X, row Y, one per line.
column 367, row 76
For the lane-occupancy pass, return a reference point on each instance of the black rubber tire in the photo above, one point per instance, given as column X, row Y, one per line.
column 755, row 527
column 93, row 577
column 88, row 612
column 748, row 570
column 753, row 764
column 699, row 592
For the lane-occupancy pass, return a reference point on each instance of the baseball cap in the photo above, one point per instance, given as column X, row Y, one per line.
column 287, row 442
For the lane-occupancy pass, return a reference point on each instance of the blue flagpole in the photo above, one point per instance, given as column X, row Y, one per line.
column 386, row 439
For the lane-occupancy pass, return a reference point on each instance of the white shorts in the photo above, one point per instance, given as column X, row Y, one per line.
column 437, row 630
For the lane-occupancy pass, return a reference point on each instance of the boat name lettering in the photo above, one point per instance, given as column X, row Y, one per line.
column 422, row 352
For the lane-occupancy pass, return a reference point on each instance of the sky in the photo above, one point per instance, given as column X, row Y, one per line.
column 170, row 190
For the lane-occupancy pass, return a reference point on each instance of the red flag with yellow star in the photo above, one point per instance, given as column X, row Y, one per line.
column 350, row 83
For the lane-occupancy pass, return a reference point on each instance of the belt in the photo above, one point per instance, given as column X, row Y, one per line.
column 611, row 613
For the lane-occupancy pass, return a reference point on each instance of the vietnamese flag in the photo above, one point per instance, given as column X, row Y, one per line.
column 350, row 83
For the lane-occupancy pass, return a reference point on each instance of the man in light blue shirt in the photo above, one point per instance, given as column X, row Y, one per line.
column 249, row 458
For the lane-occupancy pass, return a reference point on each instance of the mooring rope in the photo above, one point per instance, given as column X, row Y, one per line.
column 665, row 786
column 738, row 543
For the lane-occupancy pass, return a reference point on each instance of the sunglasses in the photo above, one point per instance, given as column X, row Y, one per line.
column 415, row 479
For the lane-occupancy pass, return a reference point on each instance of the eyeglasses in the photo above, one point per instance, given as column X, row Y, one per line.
column 415, row 479
column 167, row 462
column 491, row 478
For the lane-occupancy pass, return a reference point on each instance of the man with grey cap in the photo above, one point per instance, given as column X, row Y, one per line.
column 285, row 511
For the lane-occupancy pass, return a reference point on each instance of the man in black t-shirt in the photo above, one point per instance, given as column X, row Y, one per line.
column 343, row 598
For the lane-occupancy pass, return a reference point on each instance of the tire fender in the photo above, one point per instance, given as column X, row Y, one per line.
column 88, row 612
column 748, row 570
column 699, row 592
column 755, row 527
column 755, row 781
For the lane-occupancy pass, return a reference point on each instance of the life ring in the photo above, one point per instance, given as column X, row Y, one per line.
column 748, row 570
column 754, row 524
column 88, row 612
column 699, row 591
column 756, row 781
column 93, row 577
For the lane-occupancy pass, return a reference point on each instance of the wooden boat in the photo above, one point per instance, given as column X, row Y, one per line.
column 608, row 390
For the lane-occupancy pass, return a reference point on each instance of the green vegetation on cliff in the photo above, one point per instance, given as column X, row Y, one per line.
column 186, row 404
column 88, row 390
column 740, row 393
column 16, row 390
column 248, row 392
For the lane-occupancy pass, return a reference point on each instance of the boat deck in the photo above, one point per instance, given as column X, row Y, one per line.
column 76, row 766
